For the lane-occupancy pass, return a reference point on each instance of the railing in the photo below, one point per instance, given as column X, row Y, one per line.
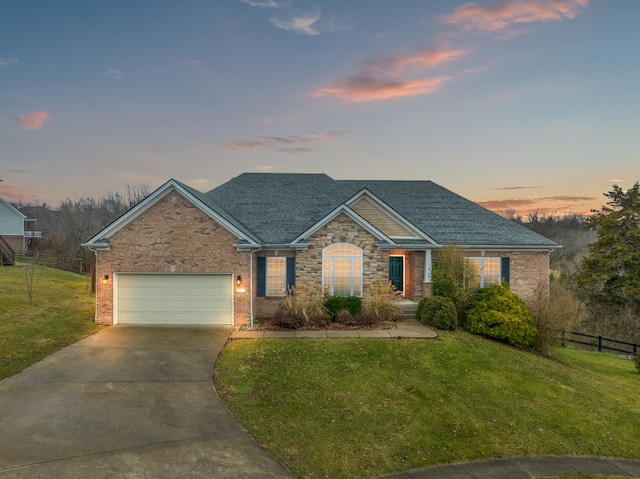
column 33, row 234
column 599, row 342
column 7, row 255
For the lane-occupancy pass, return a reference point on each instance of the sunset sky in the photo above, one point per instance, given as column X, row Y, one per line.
column 519, row 104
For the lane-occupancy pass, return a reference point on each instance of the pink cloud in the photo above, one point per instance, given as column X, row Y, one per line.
column 421, row 59
column 194, row 61
column 240, row 145
column 361, row 88
column 32, row 120
column 264, row 141
column 497, row 16
column 195, row 145
column 386, row 77
column 294, row 151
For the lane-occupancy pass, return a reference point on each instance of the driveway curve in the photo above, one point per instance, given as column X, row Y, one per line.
column 131, row 402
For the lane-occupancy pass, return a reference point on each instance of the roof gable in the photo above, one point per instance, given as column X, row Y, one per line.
column 447, row 217
column 100, row 240
column 343, row 209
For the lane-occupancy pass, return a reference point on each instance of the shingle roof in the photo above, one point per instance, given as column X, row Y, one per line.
column 278, row 207
column 447, row 217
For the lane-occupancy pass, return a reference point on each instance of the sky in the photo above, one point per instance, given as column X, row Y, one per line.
column 515, row 104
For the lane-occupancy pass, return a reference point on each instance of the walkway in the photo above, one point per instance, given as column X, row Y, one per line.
column 408, row 328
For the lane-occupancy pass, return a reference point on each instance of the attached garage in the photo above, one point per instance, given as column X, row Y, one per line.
column 173, row 298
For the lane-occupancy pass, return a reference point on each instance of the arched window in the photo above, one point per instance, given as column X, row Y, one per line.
column 342, row 269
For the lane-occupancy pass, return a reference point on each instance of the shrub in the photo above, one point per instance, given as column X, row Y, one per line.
column 305, row 301
column 335, row 304
column 380, row 301
column 554, row 309
column 450, row 277
column 288, row 320
column 500, row 314
column 636, row 359
column 439, row 312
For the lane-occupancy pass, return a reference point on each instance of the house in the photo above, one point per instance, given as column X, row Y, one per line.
column 16, row 232
column 226, row 256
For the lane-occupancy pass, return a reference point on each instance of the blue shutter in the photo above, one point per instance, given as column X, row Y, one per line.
column 262, row 276
column 291, row 273
column 504, row 269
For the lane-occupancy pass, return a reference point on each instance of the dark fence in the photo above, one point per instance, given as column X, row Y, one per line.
column 599, row 342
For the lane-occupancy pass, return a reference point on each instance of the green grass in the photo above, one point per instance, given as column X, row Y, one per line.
column 62, row 313
column 365, row 407
column 586, row 476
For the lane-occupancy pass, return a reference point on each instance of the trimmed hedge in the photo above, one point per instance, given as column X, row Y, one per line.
column 500, row 314
column 439, row 312
column 335, row 304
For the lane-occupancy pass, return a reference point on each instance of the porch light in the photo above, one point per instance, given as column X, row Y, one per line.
column 238, row 280
column 105, row 279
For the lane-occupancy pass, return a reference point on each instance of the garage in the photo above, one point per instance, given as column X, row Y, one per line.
column 173, row 298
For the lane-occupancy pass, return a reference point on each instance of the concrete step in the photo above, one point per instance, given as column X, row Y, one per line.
column 409, row 309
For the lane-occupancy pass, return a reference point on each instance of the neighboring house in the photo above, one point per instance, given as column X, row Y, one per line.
column 16, row 232
column 229, row 255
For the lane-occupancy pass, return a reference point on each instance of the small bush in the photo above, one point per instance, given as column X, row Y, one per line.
column 636, row 359
column 500, row 314
column 305, row 301
column 554, row 309
column 380, row 301
column 320, row 321
column 439, row 312
column 286, row 320
column 335, row 304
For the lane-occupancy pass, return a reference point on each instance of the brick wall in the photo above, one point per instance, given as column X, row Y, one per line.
column 266, row 306
column 16, row 242
column 173, row 235
column 527, row 269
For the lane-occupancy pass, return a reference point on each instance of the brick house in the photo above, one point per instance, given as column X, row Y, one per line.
column 226, row 256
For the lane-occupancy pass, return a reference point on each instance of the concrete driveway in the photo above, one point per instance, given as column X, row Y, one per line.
column 129, row 401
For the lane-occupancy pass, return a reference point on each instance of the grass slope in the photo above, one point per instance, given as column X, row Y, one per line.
column 62, row 313
column 365, row 407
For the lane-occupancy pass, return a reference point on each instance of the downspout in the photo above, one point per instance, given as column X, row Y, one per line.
column 95, row 274
column 251, row 286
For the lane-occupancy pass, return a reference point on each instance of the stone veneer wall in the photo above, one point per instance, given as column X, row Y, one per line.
column 341, row 229
column 173, row 235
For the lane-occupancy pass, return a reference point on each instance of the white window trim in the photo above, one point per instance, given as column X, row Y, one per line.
column 481, row 272
column 352, row 257
column 267, row 276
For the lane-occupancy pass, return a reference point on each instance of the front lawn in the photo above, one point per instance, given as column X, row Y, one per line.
column 62, row 313
column 366, row 407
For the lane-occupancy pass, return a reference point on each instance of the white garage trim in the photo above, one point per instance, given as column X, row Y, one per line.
column 173, row 298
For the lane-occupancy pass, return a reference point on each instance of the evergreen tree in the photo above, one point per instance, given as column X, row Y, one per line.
column 611, row 272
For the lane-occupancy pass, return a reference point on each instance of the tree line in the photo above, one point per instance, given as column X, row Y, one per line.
column 65, row 227
column 599, row 263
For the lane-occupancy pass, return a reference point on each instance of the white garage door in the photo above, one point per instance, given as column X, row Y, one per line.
column 174, row 299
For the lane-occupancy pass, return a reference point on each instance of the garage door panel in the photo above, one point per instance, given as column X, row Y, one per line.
column 174, row 299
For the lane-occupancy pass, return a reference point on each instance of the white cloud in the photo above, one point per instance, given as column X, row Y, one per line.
column 267, row 3
column 8, row 61
column 113, row 73
column 305, row 23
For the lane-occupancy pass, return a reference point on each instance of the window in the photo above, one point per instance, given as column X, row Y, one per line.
column 342, row 269
column 276, row 275
column 485, row 271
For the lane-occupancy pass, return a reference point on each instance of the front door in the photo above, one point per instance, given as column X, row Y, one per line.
column 396, row 272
